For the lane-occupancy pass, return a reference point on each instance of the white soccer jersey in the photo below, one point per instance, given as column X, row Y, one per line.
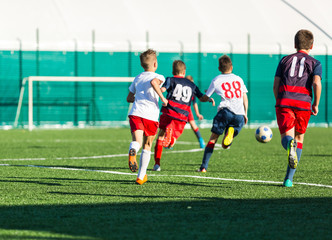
column 230, row 88
column 146, row 98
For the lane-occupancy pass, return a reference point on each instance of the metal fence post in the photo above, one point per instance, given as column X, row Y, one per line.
column 147, row 39
column 327, row 85
column 230, row 50
column 248, row 80
column 129, row 58
column 37, row 74
column 199, row 64
column 93, row 73
column 280, row 49
column 20, row 70
column 181, row 51
column 76, row 84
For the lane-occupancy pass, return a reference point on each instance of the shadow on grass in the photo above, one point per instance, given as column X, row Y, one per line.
column 204, row 218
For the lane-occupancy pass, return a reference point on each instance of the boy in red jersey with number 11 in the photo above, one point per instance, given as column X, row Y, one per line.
column 297, row 74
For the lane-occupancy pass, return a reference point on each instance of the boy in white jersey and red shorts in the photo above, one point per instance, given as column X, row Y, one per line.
column 144, row 93
column 232, row 110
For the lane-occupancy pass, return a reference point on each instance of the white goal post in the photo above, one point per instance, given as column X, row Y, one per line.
column 32, row 79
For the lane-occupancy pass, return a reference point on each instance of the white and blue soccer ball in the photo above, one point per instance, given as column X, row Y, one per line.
column 263, row 134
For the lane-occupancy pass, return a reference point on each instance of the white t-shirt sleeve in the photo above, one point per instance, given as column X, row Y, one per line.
column 132, row 87
column 244, row 88
column 211, row 89
column 161, row 78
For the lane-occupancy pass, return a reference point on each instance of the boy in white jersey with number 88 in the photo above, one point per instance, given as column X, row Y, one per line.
column 232, row 110
column 144, row 92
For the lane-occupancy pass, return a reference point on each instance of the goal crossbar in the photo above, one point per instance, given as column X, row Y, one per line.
column 32, row 79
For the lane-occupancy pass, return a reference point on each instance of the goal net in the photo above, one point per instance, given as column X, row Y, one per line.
column 63, row 102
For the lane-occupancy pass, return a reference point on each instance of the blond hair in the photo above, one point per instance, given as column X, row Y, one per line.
column 178, row 67
column 147, row 58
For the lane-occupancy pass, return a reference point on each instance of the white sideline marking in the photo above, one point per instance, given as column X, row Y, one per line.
column 185, row 176
column 97, row 157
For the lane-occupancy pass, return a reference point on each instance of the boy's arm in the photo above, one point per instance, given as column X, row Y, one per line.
column 131, row 97
column 276, row 84
column 155, row 83
column 317, row 86
column 206, row 98
column 245, row 104
column 200, row 117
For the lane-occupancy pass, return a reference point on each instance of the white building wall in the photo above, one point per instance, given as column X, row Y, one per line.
column 224, row 24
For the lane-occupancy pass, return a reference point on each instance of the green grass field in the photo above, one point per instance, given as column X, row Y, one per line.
column 75, row 184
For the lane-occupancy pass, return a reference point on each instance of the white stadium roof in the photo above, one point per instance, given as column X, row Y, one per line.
column 171, row 25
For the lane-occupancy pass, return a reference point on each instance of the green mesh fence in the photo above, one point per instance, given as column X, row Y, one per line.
column 99, row 103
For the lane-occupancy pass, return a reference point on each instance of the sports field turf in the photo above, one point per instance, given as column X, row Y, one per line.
column 75, row 184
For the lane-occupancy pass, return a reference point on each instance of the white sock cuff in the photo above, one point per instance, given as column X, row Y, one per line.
column 135, row 145
column 146, row 151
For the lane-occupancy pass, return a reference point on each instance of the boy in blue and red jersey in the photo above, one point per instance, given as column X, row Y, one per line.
column 296, row 76
column 180, row 92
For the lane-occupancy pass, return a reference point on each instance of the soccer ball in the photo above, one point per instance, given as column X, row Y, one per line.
column 263, row 134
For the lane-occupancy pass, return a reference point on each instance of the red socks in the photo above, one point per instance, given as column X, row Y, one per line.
column 158, row 150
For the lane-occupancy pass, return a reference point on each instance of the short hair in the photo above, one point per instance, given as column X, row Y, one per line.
column 225, row 63
column 190, row 78
column 178, row 67
column 303, row 39
column 147, row 58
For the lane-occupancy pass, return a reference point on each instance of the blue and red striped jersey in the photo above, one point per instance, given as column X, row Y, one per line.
column 296, row 72
column 180, row 93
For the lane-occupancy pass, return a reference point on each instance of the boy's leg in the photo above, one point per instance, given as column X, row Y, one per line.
column 292, row 139
column 234, row 127
column 288, row 181
column 145, row 159
column 195, row 128
column 228, row 138
column 208, row 152
column 158, row 150
column 218, row 127
column 137, row 131
column 134, row 147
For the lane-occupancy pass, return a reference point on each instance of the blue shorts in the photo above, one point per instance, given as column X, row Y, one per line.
column 225, row 119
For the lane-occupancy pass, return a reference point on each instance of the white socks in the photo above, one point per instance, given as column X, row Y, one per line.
column 135, row 145
column 144, row 162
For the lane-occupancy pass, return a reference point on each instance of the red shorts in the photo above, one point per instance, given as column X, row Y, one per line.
column 288, row 118
column 190, row 116
column 168, row 122
column 149, row 127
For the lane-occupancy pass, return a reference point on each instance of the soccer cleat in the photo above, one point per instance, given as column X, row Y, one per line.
column 228, row 138
column 168, row 137
column 140, row 181
column 292, row 156
column 203, row 170
column 288, row 183
column 156, row 167
column 132, row 160
column 201, row 143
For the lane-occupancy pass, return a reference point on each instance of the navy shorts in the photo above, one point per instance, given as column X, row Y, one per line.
column 225, row 119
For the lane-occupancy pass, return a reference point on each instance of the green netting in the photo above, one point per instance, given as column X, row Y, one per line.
column 94, row 104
